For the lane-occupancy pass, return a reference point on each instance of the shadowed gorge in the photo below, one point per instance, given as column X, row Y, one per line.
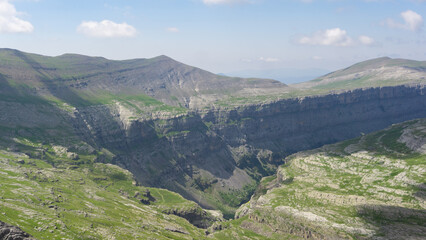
column 118, row 133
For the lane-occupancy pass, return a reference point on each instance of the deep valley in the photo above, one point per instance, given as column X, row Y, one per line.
column 155, row 149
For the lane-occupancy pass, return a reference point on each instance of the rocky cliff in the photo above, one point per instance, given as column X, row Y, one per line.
column 8, row 232
column 370, row 187
column 205, row 155
column 208, row 137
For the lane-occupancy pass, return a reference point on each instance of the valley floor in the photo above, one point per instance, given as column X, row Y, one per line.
column 371, row 187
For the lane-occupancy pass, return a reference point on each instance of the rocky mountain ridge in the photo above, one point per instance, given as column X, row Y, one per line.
column 76, row 79
column 203, row 155
column 377, row 72
column 187, row 135
column 371, row 187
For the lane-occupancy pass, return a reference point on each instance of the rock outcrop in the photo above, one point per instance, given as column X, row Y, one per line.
column 227, row 149
column 9, row 232
column 195, row 215
column 188, row 130
column 369, row 187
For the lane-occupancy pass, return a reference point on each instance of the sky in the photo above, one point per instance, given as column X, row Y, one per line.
column 222, row 36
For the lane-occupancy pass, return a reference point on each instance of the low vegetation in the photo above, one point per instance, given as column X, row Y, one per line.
column 367, row 187
column 57, row 194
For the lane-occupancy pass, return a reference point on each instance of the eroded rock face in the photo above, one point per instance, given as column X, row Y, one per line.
column 196, row 216
column 416, row 142
column 228, row 148
column 200, row 145
column 223, row 149
column 352, row 189
column 9, row 232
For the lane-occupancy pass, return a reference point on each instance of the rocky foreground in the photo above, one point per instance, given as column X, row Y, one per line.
column 8, row 232
column 209, row 138
column 372, row 187
column 80, row 135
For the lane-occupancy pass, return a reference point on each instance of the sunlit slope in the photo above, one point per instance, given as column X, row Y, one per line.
column 369, row 187
column 81, row 80
column 378, row 72
column 52, row 192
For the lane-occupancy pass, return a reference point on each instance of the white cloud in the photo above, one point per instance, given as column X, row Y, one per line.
column 366, row 40
column 269, row 59
column 9, row 20
column 106, row 29
column 334, row 37
column 329, row 37
column 412, row 21
column 172, row 29
column 317, row 58
column 217, row 2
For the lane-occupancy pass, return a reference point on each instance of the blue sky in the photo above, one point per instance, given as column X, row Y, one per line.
column 220, row 35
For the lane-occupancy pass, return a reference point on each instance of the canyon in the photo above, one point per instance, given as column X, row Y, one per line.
column 209, row 138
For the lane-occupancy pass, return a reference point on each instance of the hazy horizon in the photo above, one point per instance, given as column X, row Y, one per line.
column 221, row 36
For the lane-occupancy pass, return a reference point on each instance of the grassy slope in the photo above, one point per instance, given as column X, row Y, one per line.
column 53, row 197
column 140, row 104
column 369, row 186
column 41, row 71
column 371, row 73
column 378, row 72
column 96, row 78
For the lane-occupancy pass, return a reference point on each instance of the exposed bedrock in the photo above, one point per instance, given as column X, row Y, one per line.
column 293, row 125
column 226, row 149
column 9, row 232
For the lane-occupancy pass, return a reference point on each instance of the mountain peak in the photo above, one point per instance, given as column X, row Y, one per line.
column 161, row 77
column 165, row 57
column 377, row 72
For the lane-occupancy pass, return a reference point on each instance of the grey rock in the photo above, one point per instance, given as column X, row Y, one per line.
column 9, row 232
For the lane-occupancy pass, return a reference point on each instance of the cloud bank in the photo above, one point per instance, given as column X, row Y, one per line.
column 412, row 21
column 10, row 21
column 106, row 29
column 334, row 37
column 329, row 37
column 366, row 40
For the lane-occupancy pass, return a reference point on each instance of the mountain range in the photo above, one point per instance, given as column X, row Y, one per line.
column 94, row 143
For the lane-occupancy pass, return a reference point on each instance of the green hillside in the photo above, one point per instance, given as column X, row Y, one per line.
column 368, row 187
column 52, row 193
column 80, row 135
column 378, row 72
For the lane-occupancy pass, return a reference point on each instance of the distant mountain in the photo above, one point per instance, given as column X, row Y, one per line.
column 76, row 78
column 372, row 73
column 70, row 125
column 285, row 75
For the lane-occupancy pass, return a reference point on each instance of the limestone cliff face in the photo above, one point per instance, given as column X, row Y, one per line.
column 226, row 149
column 336, row 191
column 205, row 153
column 292, row 125
column 165, row 121
column 9, row 232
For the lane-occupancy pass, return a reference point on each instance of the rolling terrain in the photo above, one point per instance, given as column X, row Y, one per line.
column 55, row 196
column 372, row 73
column 370, row 187
column 162, row 124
